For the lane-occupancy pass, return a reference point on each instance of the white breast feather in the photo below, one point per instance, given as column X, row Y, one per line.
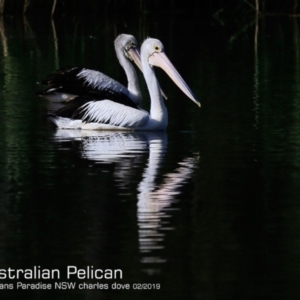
column 114, row 113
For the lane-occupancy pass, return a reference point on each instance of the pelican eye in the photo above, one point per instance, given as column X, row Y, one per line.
column 133, row 45
column 157, row 48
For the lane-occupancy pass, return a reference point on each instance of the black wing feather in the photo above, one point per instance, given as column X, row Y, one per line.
column 65, row 80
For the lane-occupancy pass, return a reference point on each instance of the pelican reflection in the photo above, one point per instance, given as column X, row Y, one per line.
column 156, row 192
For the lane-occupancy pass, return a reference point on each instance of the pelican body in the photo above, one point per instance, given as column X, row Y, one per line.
column 94, row 113
column 67, row 83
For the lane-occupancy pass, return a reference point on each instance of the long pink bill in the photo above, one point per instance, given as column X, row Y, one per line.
column 159, row 59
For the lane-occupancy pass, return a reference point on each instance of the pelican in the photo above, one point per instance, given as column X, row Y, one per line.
column 67, row 83
column 104, row 114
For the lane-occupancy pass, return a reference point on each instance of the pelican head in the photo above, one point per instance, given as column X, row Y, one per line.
column 157, row 57
column 129, row 45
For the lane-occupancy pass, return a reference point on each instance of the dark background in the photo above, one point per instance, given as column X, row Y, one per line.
column 232, row 9
column 236, row 221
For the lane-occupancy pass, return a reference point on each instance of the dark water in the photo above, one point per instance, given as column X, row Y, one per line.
column 208, row 210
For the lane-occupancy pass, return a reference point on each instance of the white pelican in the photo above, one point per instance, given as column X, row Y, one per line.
column 104, row 114
column 67, row 83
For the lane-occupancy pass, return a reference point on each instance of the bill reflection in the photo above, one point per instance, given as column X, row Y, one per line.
column 156, row 201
